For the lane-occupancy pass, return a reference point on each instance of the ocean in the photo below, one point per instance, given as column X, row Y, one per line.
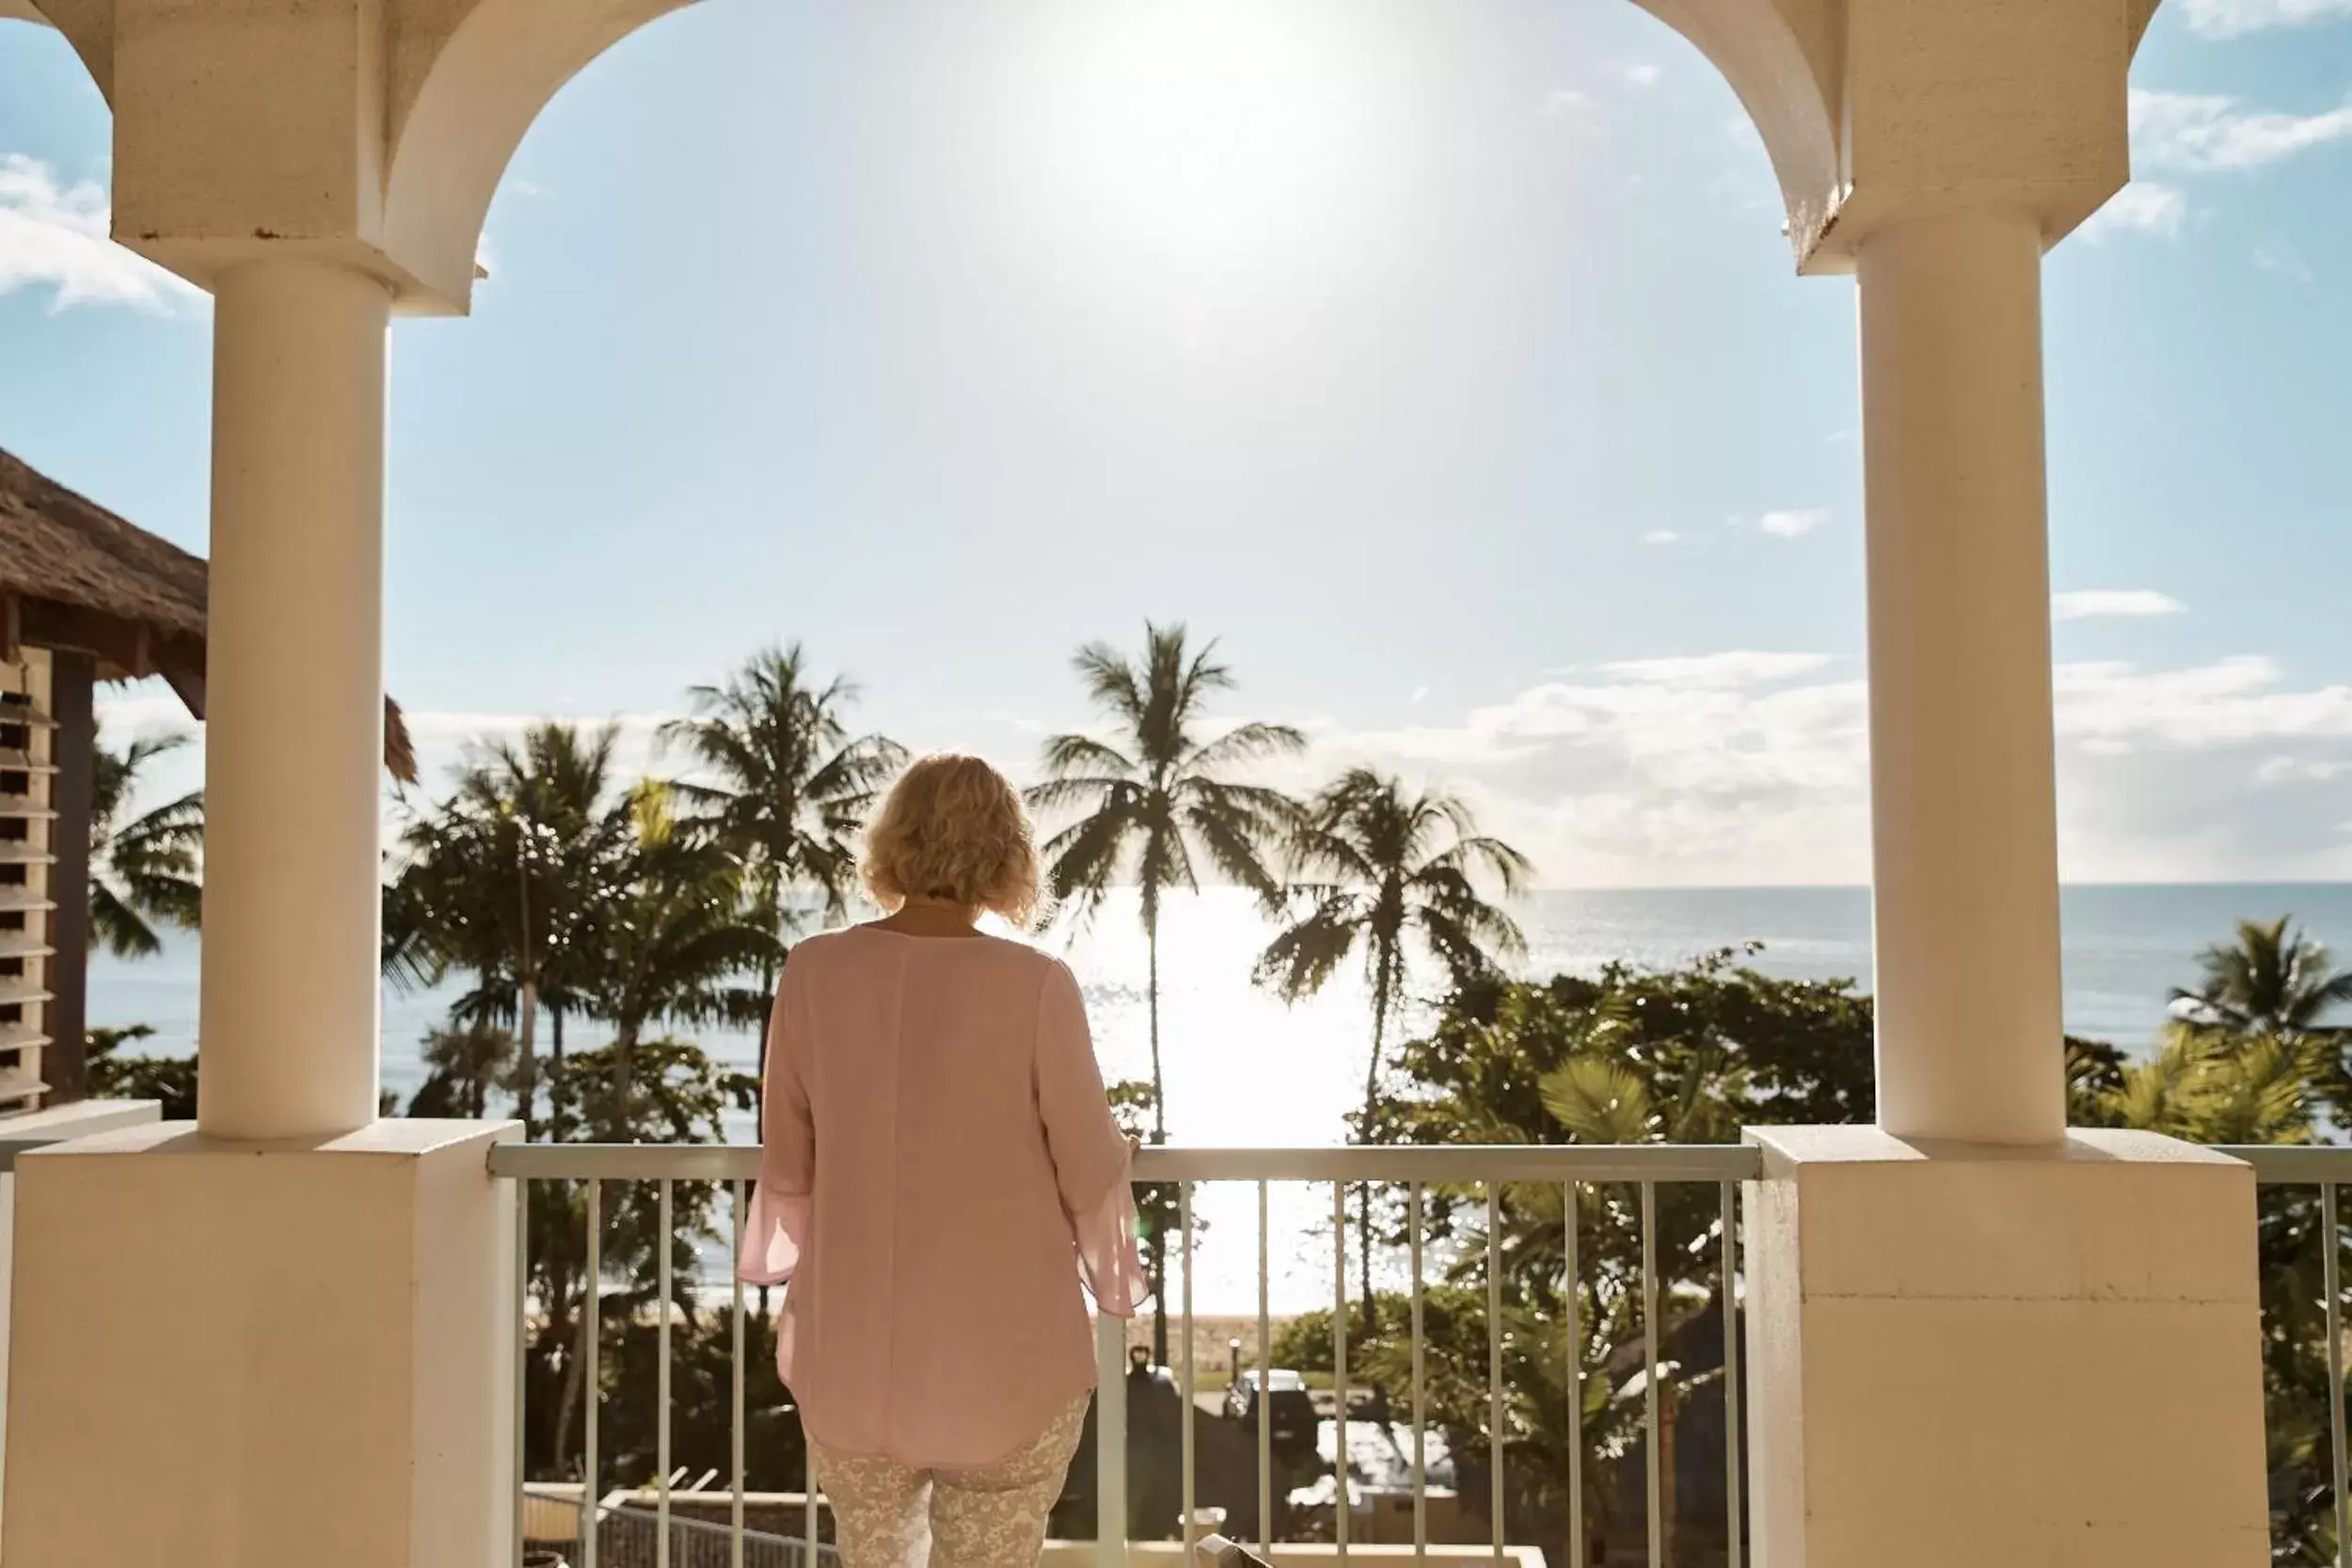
column 1243, row 1070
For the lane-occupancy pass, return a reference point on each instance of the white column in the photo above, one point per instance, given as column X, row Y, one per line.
column 294, row 722
column 1965, row 836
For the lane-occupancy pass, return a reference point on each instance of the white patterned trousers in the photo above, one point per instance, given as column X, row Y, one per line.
column 886, row 1516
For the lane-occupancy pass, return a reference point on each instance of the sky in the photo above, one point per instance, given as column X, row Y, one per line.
column 1446, row 363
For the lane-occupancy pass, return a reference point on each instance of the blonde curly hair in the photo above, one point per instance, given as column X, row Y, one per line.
column 952, row 828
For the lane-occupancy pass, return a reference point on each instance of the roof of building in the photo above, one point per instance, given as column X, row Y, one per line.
column 75, row 576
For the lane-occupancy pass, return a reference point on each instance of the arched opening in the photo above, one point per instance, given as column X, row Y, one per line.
column 462, row 103
column 87, row 24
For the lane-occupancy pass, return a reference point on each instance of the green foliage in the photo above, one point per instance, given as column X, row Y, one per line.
column 701, row 1395
column 143, row 868
column 463, row 1063
column 1633, row 1055
column 113, row 1076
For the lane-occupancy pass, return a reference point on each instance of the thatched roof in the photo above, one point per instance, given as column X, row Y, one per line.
column 73, row 575
column 64, row 548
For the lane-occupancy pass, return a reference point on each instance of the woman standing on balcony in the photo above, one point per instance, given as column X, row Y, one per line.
column 940, row 1171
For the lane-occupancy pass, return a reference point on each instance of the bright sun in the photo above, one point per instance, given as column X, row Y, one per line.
column 1231, row 144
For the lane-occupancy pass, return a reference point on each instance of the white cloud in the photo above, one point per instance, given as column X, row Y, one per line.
column 2283, row 259
column 147, row 713
column 2288, row 770
column 1751, row 768
column 2229, row 18
column 2142, row 207
column 1791, row 525
column 53, row 237
column 1716, row 672
column 2097, row 604
column 2205, row 133
column 1661, row 536
column 1636, row 75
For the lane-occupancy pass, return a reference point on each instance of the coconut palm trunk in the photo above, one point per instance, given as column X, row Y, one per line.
column 1363, row 1196
column 1158, row 1261
column 527, row 1002
column 555, row 1075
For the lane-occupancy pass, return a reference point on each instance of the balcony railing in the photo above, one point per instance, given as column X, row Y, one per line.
column 2322, row 1170
column 1462, row 1172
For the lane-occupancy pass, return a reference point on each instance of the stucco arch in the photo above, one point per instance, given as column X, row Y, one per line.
column 1782, row 60
column 467, row 79
column 89, row 25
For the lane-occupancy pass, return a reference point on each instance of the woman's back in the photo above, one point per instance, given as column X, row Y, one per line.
column 940, row 1165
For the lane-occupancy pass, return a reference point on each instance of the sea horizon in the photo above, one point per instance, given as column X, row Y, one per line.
column 1244, row 1071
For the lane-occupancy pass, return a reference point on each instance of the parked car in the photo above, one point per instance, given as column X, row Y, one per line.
column 1289, row 1408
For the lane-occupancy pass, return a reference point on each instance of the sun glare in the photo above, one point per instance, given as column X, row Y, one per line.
column 1224, row 145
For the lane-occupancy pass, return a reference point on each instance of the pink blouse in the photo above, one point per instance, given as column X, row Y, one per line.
column 940, row 1170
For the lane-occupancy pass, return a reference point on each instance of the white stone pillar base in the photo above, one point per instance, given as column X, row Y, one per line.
column 262, row 1355
column 1962, row 1357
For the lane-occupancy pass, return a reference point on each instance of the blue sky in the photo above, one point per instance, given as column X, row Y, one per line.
column 1447, row 362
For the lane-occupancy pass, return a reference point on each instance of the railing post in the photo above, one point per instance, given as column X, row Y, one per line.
column 1110, row 1441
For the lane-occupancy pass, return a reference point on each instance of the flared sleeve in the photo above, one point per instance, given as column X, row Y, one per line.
column 776, row 1228
column 1092, row 1156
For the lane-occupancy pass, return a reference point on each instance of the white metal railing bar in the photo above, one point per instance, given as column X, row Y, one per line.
column 1421, row 1390
column 664, row 1230
column 2334, row 1287
column 2293, row 1164
column 1489, row 1167
column 1436, row 1165
column 1110, row 1442
column 782, row 1551
column 808, row 1480
column 1342, row 1499
column 735, row 1396
column 1265, row 1386
column 1650, row 1377
column 1573, row 1301
column 2324, row 1167
column 1731, row 1303
column 1497, row 1438
column 522, row 1352
column 590, row 1330
column 1192, row 1391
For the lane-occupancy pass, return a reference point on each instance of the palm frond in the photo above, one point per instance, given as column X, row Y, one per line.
column 1599, row 1102
column 1303, row 956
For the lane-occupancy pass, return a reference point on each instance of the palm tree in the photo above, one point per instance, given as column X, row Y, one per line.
column 2213, row 1087
column 506, row 880
column 1151, row 799
column 677, row 933
column 462, row 1064
column 1381, row 872
column 789, row 786
column 146, row 868
column 2272, row 978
